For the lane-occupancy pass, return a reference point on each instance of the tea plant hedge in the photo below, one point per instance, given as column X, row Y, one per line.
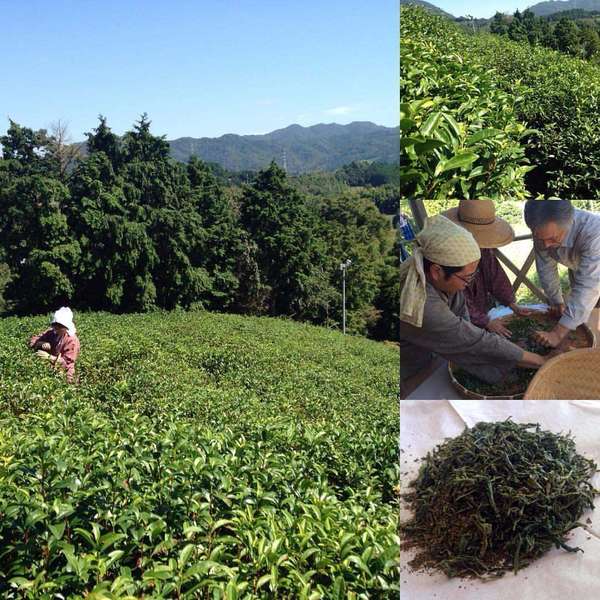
column 460, row 134
column 485, row 116
column 199, row 456
column 560, row 100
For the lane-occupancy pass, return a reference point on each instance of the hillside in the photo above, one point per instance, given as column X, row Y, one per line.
column 323, row 147
column 200, row 454
column 427, row 5
column 452, row 142
column 542, row 9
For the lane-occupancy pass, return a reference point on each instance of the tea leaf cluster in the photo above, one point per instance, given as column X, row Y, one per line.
column 199, row 455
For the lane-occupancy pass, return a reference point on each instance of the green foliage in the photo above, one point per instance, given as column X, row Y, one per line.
column 354, row 229
column 364, row 173
column 284, row 229
column 560, row 101
column 573, row 32
column 37, row 245
column 200, row 455
column 460, row 135
column 130, row 229
column 556, row 96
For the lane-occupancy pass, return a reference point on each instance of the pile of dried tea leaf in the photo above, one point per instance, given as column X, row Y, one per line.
column 495, row 498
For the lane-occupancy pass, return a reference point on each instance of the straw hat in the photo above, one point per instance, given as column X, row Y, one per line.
column 574, row 375
column 479, row 217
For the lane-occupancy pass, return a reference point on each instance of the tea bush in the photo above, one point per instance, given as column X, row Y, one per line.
column 460, row 133
column 560, row 101
column 485, row 116
column 199, row 455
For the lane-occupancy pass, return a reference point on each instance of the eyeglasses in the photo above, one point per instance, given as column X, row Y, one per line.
column 470, row 278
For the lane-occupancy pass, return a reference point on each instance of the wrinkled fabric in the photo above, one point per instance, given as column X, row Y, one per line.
column 491, row 283
column 66, row 348
column 443, row 242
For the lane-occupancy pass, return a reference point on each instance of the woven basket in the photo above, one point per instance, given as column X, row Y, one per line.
column 465, row 393
column 571, row 376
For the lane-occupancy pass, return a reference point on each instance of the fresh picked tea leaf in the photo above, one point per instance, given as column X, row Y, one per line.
column 516, row 381
column 496, row 498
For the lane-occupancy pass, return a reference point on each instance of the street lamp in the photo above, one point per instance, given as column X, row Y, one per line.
column 343, row 266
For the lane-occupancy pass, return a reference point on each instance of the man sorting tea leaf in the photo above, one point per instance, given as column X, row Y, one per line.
column 491, row 282
column 434, row 319
column 571, row 237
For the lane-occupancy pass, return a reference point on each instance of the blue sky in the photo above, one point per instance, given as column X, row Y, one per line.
column 486, row 9
column 198, row 67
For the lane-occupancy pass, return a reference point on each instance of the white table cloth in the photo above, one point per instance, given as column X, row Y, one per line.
column 558, row 575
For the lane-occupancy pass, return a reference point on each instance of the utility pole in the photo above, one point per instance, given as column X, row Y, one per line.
column 470, row 17
column 343, row 266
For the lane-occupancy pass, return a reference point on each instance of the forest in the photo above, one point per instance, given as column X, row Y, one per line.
column 124, row 227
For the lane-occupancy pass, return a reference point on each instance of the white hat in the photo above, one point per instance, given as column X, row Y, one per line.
column 64, row 316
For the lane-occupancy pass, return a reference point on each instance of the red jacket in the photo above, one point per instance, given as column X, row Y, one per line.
column 490, row 283
column 66, row 348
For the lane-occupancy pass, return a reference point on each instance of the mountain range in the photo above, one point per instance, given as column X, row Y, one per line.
column 541, row 9
column 431, row 7
column 322, row 147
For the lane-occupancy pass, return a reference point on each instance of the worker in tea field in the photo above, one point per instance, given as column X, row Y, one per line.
column 491, row 282
column 434, row 319
column 563, row 234
column 59, row 345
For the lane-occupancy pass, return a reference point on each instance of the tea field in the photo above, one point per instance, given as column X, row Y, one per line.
column 200, row 455
column 481, row 115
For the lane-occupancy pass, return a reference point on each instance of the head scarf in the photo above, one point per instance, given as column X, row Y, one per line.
column 64, row 316
column 441, row 242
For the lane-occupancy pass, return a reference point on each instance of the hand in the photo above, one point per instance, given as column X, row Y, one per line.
column 549, row 339
column 521, row 311
column 557, row 310
column 560, row 349
column 46, row 346
column 496, row 326
column 531, row 360
column 43, row 354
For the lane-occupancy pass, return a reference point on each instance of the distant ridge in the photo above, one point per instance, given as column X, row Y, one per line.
column 543, row 9
column 322, row 147
column 430, row 7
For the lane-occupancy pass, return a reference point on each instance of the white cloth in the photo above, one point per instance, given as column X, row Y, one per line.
column 64, row 316
column 558, row 574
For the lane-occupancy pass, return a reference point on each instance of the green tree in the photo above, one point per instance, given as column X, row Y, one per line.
column 102, row 139
column 38, row 245
column 498, row 24
column 289, row 253
column 28, row 152
column 516, row 29
column 589, row 41
column 566, row 35
column 117, row 253
column 353, row 228
column 530, row 24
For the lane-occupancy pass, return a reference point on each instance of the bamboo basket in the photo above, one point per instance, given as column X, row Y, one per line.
column 466, row 393
column 571, row 376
